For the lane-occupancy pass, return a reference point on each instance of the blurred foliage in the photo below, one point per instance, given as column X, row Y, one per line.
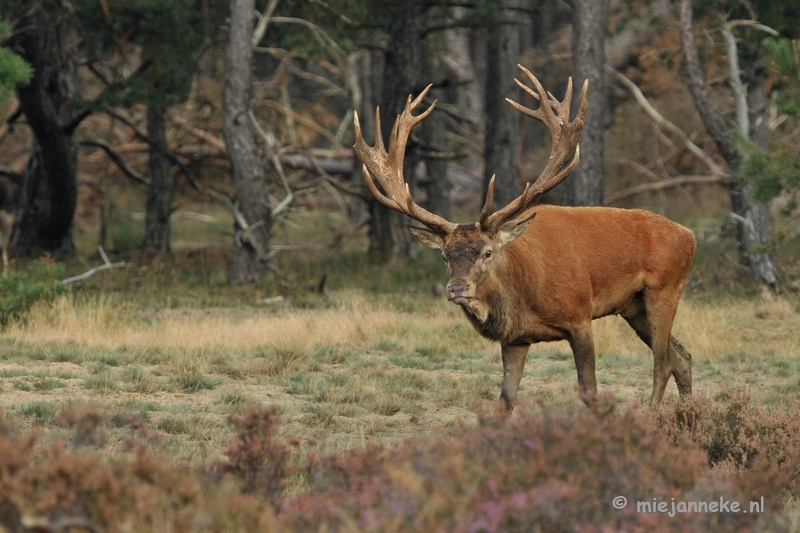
column 22, row 288
column 778, row 170
column 780, row 16
column 13, row 69
column 168, row 35
column 770, row 173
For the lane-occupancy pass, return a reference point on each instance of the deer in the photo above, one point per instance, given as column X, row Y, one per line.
column 531, row 273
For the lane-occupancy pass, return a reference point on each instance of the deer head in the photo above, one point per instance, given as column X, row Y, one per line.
column 471, row 251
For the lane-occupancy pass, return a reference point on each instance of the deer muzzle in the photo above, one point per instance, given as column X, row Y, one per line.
column 458, row 290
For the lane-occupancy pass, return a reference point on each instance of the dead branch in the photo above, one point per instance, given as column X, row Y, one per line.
column 304, row 121
column 163, row 150
column 263, row 22
column 276, row 162
column 339, row 185
column 199, row 133
column 106, row 265
column 245, row 232
column 16, row 177
column 309, row 162
column 660, row 120
column 117, row 159
column 679, row 181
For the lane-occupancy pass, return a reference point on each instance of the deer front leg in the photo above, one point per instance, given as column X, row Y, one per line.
column 513, row 364
column 582, row 344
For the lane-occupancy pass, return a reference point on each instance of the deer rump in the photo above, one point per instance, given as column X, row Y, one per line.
column 531, row 273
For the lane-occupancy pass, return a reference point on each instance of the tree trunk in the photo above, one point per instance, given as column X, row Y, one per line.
column 502, row 121
column 248, row 261
column 760, row 214
column 49, row 190
column 752, row 218
column 585, row 185
column 159, row 193
column 433, row 128
column 389, row 237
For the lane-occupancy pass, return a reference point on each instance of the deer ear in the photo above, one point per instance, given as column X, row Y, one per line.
column 428, row 238
column 511, row 230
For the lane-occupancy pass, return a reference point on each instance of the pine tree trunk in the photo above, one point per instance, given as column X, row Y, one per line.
column 388, row 237
column 433, row 128
column 753, row 219
column 159, row 194
column 502, row 121
column 585, row 185
column 49, row 192
column 248, row 261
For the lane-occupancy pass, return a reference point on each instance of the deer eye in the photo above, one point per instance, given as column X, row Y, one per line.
column 487, row 254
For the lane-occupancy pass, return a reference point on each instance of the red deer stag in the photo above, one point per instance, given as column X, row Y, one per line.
column 533, row 273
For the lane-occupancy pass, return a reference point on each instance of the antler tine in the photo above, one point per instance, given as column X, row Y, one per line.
column 565, row 152
column 489, row 204
column 382, row 198
column 387, row 167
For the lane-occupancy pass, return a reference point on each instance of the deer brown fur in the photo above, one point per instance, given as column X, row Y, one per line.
column 534, row 273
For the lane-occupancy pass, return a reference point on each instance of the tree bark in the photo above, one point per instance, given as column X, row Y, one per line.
column 433, row 128
column 248, row 260
column 159, row 193
column 388, row 237
column 585, row 185
column 502, row 121
column 49, row 190
column 753, row 222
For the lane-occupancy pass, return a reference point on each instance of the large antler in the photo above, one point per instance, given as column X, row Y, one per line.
column 563, row 156
column 387, row 167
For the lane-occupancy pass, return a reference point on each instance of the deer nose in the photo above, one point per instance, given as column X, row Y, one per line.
column 456, row 291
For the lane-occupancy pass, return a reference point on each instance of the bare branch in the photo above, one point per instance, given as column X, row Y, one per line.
column 610, row 198
column 199, row 133
column 666, row 124
column 304, row 121
column 172, row 157
column 739, row 89
column 120, row 162
column 263, row 22
column 16, row 177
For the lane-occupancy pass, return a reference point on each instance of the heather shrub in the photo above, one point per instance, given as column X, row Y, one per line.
column 535, row 471
column 761, row 446
column 256, row 458
column 552, row 472
column 59, row 487
column 731, row 428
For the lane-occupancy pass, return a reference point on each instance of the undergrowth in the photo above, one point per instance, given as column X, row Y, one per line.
column 537, row 470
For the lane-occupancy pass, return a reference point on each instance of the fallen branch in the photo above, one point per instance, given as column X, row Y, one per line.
column 664, row 184
column 106, row 265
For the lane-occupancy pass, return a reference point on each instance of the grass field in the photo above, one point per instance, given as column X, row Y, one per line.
column 348, row 368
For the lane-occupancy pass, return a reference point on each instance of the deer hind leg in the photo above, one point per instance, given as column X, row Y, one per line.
column 582, row 343
column 651, row 317
column 681, row 361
